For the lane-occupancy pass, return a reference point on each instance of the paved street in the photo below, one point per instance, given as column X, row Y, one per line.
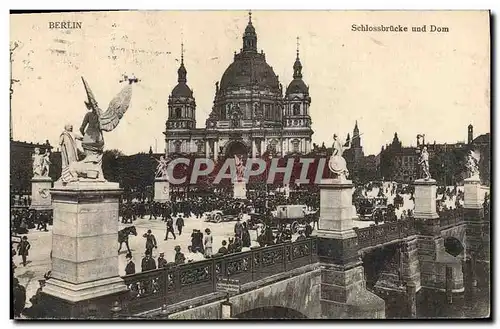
column 41, row 245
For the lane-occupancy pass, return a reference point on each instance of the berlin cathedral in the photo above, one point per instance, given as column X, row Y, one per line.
column 250, row 115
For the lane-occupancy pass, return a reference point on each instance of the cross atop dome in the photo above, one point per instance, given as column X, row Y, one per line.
column 297, row 66
column 250, row 17
column 182, row 72
column 182, row 52
column 298, row 47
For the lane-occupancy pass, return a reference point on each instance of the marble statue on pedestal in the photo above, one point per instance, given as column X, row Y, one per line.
column 472, row 165
column 41, row 163
column 94, row 123
column 37, row 163
column 337, row 163
column 240, row 168
column 161, row 168
column 424, row 163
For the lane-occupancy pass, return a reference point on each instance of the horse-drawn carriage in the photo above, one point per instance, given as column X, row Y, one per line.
column 293, row 217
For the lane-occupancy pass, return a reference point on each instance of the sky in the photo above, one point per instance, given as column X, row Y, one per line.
column 410, row 83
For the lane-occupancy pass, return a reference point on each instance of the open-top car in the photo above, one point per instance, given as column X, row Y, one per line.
column 226, row 214
column 367, row 207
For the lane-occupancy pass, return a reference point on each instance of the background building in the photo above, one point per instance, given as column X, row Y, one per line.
column 446, row 161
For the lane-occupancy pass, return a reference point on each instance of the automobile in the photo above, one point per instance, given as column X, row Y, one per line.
column 227, row 214
column 366, row 207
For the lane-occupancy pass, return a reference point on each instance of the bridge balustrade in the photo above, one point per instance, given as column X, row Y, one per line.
column 173, row 284
column 375, row 235
column 451, row 217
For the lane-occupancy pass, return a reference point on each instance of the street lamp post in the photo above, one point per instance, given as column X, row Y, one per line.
column 270, row 157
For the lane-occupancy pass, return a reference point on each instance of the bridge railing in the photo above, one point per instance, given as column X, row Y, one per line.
column 451, row 217
column 173, row 284
column 374, row 235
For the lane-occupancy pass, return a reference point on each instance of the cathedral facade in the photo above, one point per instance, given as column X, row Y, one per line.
column 250, row 115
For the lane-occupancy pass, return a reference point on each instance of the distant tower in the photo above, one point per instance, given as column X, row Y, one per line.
column 181, row 110
column 356, row 144
column 470, row 134
column 297, row 99
column 181, row 103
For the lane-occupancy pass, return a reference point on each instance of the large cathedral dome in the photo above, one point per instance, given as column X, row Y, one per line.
column 247, row 70
column 249, row 67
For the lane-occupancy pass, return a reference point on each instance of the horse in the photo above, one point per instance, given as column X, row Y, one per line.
column 123, row 236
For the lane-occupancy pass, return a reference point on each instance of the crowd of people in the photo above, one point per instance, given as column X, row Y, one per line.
column 174, row 214
column 23, row 219
column 202, row 247
column 197, row 206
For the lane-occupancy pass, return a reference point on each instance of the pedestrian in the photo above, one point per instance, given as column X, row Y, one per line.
column 12, row 254
column 231, row 247
column 130, row 268
column 199, row 242
column 245, row 237
column 194, row 236
column 44, row 219
column 180, row 224
column 19, row 294
column 170, row 228
column 301, row 235
column 23, row 248
column 238, row 245
column 238, row 228
column 150, row 241
column 207, row 243
column 179, row 256
column 308, row 230
column 36, row 311
column 148, row 263
column 162, row 262
column 223, row 250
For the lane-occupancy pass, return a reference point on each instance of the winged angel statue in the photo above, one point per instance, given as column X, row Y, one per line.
column 94, row 123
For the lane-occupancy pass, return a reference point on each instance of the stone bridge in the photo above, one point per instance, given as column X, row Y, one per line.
column 341, row 272
column 288, row 279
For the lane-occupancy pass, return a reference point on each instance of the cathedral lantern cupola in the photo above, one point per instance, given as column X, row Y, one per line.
column 250, row 37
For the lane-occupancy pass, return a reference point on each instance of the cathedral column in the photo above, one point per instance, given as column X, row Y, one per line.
column 216, row 149
column 254, row 151
column 207, row 149
column 262, row 146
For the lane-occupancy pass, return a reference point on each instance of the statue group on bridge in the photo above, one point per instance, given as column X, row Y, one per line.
column 41, row 163
column 94, row 123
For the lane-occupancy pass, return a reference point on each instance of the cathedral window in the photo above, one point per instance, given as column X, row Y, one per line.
column 178, row 112
column 177, row 146
column 296, row 109
column 200, row 146
column 295, row 146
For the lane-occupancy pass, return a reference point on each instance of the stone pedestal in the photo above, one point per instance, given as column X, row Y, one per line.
column 336, row 209
column 84, row 245
column 240, row 190
column 425, row 199
column 343, row 287
column 162, row 190
column 40, row 193
column 473, row 193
